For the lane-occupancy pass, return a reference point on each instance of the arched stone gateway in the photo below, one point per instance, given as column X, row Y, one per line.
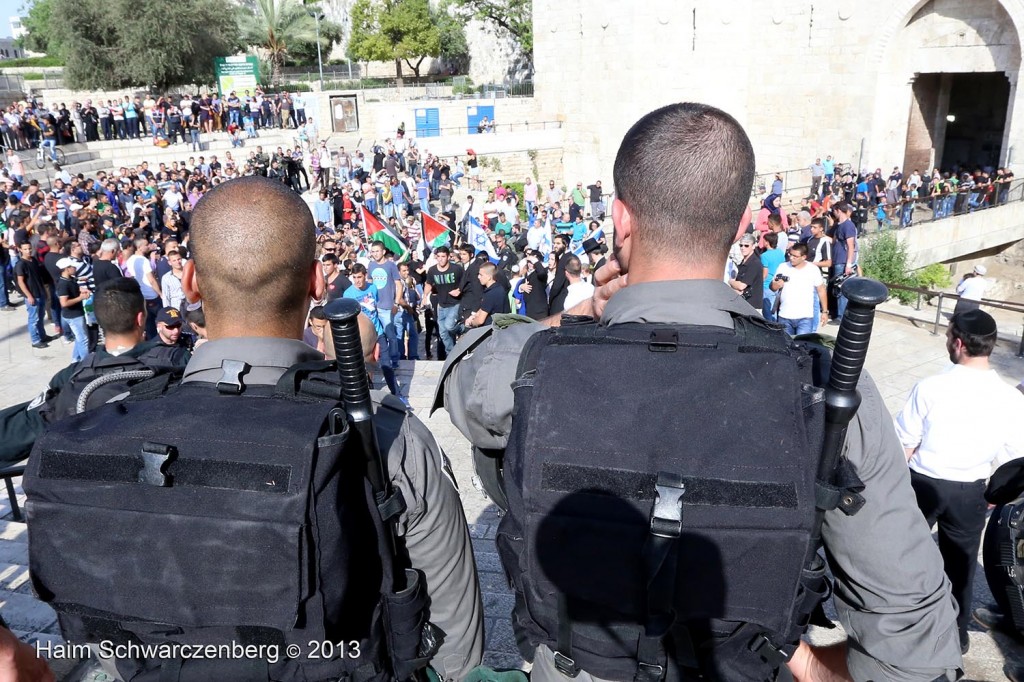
column 947, row 85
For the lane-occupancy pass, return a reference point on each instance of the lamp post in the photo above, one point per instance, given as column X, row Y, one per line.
column 319, row 57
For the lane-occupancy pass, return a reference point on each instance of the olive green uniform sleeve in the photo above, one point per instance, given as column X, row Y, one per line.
column 437, row 539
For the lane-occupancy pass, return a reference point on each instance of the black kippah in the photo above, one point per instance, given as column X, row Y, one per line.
column 975, row 322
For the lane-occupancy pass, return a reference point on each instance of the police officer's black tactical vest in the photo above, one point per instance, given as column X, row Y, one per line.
column 105, row 377
column 662, row 495
column 252, row 529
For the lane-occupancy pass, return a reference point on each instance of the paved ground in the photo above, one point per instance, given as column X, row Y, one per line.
column 900, row 355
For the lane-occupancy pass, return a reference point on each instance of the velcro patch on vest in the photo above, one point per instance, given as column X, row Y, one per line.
column 199, row 473
column 700, row 491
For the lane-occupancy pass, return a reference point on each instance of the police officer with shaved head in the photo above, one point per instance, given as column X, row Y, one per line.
column 624, row 536
column 268, row 532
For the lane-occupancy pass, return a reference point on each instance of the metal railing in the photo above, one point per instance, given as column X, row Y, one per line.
column 499, row 127
column 943, row 296
column 792, row 179
column 950, row 206
column 12, row 82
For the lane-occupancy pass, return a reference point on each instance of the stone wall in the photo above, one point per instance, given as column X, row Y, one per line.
column 517, row 166
column 805, row 78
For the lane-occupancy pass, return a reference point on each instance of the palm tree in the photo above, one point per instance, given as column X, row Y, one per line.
column 274, row 26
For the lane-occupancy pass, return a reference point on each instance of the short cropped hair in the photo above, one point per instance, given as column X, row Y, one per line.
column 685, row 172
column 573, row 266
column 117, row 305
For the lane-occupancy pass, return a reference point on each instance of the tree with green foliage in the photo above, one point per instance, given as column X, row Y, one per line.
column 36, row 21
column 393, row 30
column 510, row 17
column 303, row 53
column 454, row 47
column 276, row 27
column 143, row 47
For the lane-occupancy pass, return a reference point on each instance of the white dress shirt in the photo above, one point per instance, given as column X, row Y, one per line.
column 961, row 421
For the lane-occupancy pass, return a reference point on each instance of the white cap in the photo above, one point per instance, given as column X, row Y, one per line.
column 66, row 263
column 980, row 270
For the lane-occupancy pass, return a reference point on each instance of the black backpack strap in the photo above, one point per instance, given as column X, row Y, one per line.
column 660, row 554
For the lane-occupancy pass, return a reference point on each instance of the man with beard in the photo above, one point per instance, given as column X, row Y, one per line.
column 559, row 284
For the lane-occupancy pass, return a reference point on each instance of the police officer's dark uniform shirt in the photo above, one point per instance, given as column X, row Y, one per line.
column 890, row 591
column 433, row 525
column 495, row 301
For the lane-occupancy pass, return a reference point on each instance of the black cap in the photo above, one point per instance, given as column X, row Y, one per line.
column 975, row 322
column 590, row 246
column 169, row 316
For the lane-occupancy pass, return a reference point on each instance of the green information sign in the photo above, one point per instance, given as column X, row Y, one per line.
column 236, row 74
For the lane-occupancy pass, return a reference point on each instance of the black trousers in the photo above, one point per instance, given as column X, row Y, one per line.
column 959, row 509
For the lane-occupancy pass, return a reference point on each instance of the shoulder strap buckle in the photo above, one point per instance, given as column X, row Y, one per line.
column 648, row 672
column 230, row 381
column 663, row 341
column 667, row 514
column 763, row 647
column 566, row 665
column 155, row 459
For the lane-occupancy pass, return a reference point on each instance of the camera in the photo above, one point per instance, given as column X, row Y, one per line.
column 781, row 278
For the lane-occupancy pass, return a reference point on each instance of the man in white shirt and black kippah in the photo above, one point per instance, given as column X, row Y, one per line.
column 954, row 426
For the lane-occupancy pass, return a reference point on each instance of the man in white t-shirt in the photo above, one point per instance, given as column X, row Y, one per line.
column 139, row 267
column 798, row 281
column 579, row 290
column 971, row 290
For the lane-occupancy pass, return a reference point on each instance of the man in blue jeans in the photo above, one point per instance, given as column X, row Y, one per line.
column 796, row 283
column 443, row 282
column 844, row 251
column 385, row 276
column 29, row 276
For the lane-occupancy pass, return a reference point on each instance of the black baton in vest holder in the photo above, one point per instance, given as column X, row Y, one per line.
column 851, row 350
column 343, row 315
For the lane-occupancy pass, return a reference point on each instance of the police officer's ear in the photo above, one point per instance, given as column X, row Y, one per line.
column 622, row 223
column 745, row 222
column 317, row 285
column 190, row 282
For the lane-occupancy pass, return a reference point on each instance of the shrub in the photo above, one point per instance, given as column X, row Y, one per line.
column 33, row 75
column 885, row 258
column 934, row 276
column 46, row 61
column 521, row 206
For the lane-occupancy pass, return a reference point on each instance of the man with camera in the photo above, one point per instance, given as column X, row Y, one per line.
column 800, row 288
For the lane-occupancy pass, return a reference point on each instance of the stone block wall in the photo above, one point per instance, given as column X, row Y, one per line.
column 805, row 78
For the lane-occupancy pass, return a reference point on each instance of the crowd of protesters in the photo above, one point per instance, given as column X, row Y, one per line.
column 165, row 119
column 135, row 221
column 543, row 241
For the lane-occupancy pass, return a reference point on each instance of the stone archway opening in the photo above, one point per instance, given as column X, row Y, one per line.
column 950, row 58
column 957, row 121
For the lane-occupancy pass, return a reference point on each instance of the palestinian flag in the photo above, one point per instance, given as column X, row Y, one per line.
column 376, row 231
column 435, row 233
